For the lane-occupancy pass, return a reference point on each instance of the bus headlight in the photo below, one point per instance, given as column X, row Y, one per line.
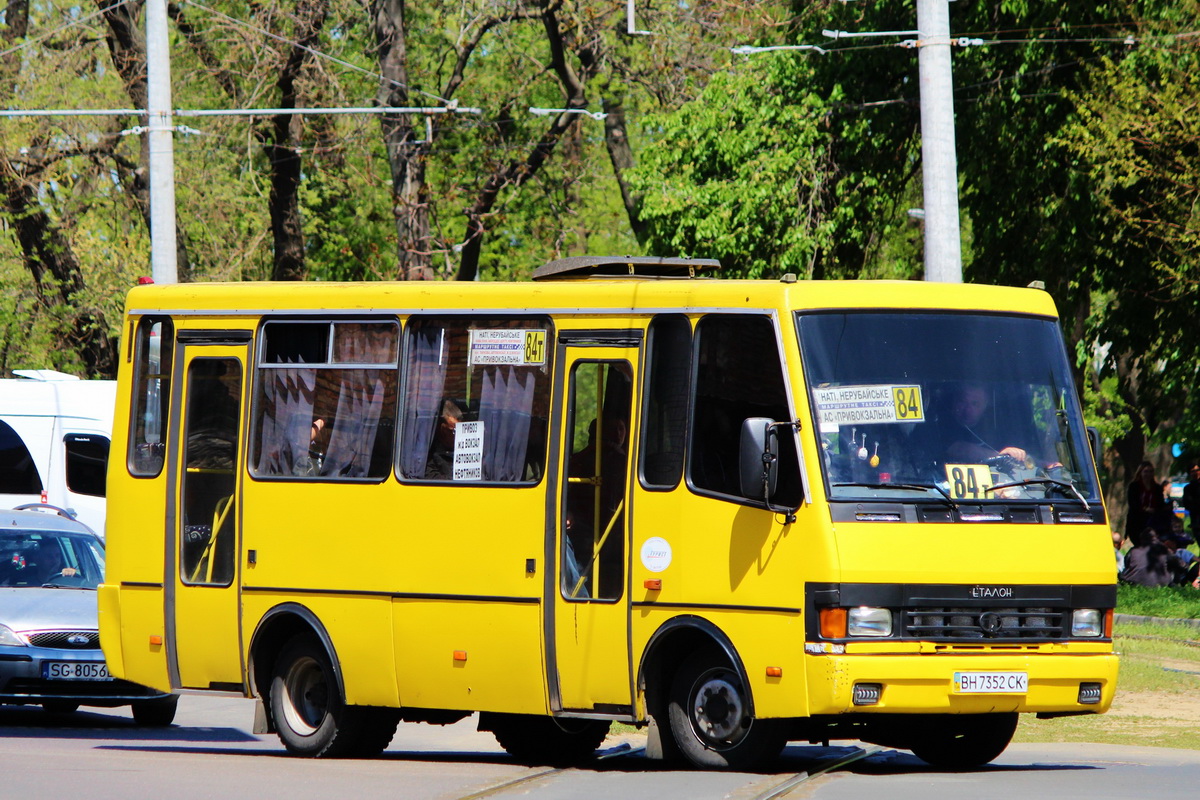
column 869, row 621
column 1087, row 622
column 10, row 639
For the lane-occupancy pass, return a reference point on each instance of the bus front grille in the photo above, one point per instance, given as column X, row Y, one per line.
column 985, row 623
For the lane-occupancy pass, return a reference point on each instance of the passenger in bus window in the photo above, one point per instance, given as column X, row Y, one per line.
column 440, row 465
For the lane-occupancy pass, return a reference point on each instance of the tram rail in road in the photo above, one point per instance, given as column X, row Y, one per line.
column 779, row 790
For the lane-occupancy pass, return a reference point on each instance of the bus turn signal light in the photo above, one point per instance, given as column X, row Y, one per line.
column 774, row 672
column 833, row 623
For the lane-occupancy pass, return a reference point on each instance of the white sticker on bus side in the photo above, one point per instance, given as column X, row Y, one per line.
column 468, row 451
column 656, row 554
column 516, row 346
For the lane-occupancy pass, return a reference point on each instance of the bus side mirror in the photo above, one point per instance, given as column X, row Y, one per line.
column 758, row 458
column 1097, row 444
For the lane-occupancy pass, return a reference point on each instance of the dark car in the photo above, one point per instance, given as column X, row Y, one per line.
column 50, row 566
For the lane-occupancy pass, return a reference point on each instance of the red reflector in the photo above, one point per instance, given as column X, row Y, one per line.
column 144, row 280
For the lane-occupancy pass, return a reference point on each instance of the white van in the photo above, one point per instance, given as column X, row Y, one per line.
column 54, row 436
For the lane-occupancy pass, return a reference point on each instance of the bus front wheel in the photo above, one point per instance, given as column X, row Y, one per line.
column 710, row 719
column 308, row 710
column 963, row 741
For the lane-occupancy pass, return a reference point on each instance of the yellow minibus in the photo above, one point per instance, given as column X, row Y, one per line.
column 739, row 513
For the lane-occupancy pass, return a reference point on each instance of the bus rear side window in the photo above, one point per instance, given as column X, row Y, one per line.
column 476, row 399
column 151, row 396
column 325, row 400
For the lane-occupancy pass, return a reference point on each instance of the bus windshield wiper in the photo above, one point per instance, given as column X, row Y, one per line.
column 1070, row 487
column 945, row 496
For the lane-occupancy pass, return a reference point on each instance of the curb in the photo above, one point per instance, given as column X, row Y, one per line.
column 1189, row 623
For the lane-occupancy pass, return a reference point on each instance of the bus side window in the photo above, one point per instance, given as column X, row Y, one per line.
column 325, row 400
column 476, row 399
column 151, row 396
column 668, row 386
column 739, row 374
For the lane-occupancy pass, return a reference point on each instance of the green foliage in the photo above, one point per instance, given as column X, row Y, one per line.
column 736, row 175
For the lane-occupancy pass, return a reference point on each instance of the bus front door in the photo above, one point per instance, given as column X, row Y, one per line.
column 590, row 669
column 202, row 597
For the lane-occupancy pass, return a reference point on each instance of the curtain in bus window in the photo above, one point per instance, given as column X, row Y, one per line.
column 287, row 421
column 426, row 383
column 359, row 403
column 505, row 407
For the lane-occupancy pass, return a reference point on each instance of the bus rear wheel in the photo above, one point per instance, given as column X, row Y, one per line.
column 308, row 710
column 709, row 714
column 963, row 741
column 546, row 740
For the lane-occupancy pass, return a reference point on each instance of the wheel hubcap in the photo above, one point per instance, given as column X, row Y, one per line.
column 717, row 709
column 307, row 696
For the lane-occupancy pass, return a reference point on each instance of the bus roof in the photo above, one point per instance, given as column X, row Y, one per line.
column 632, row 294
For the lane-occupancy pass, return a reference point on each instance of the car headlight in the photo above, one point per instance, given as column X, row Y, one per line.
column 10, row 639
column 868, row 621
column 1087, row 622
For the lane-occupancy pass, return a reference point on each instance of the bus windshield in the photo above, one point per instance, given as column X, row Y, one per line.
column 948, row 407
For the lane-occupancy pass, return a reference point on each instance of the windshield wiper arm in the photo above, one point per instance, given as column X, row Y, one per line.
column 1070, row 487
column 925, row 487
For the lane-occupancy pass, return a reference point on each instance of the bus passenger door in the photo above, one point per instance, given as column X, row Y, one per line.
column 203, row 619
column 588, row 634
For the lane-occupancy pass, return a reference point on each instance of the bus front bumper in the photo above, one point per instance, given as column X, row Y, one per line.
column 961, row 684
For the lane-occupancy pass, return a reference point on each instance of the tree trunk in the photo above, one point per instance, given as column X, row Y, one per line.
column 620, row 153
column 282, row 146
column 519, row 172
column 406, row 151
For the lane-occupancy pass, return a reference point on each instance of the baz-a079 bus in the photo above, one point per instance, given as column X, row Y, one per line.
column 740, row 513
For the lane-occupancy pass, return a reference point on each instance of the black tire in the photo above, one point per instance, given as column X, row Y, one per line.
column 377, row 726
column 547, row 740
column 310, row 714
column 156, row 713
column 963, row 741
column 60, row 706
column 709, row 713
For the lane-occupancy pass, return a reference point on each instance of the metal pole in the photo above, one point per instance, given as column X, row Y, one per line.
column 163, row 267
column 939, row 162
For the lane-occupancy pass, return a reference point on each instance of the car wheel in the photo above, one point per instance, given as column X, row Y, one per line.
column 709, row 714
column 156, row 713
column 309, row 712
column 60, row 706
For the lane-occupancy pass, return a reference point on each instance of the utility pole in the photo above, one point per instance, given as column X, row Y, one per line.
column 939, row 160
column 160, row 130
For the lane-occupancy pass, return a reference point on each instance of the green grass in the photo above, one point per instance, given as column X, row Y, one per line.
column 1158, row 692
column 1176, row 602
